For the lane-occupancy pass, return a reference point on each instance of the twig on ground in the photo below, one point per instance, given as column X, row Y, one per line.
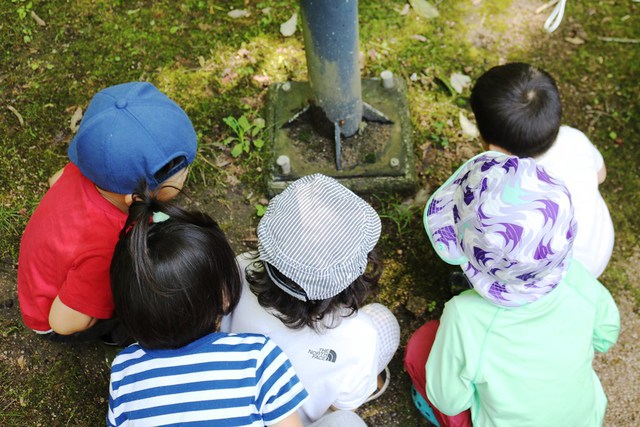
column 618, row 39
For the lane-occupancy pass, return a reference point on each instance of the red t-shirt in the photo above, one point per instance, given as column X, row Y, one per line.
column 66, row 251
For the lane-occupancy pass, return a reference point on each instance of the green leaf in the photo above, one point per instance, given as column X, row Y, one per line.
column 258, row 143
column 259, row 122
column 424, row 8
column 613, row 135
column 260, row 210
column 231, row 122
column 244, row 123
column 237, row 150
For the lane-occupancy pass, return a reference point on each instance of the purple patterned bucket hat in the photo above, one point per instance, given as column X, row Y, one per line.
column 507, row 223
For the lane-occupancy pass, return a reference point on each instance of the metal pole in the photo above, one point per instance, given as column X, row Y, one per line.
column 331, row 44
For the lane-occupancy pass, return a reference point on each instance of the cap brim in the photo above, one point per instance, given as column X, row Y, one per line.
column 441, row 228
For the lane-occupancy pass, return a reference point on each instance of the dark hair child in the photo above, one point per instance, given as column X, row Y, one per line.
column 173, row 276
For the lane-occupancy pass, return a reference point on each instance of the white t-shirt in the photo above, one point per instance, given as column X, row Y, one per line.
column 576, row 161
column 337, row 368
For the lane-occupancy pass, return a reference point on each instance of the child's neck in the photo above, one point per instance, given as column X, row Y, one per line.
column 499, row 149
column 117, row 200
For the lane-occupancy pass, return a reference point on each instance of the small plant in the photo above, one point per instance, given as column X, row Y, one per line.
column 245, row 135
column 401, row 214
column 438, row 136
column 260, row 210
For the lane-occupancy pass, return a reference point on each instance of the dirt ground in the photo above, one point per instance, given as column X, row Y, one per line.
column 67, row 384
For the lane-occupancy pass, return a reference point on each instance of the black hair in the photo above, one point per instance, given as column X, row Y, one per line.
column 172, row 280
column 517, row 107
column 316, row 314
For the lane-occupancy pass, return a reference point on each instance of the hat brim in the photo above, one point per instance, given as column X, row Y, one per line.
column 441, row 228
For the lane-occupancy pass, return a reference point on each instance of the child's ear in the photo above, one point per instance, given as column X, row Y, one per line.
column 128, row 199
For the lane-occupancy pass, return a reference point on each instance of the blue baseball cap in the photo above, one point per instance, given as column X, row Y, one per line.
column 129, row 133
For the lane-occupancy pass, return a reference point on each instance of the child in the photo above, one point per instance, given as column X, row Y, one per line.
column 306, row 291
column 130, row 132
column 518, row 111
column 517, row 349
column 173, row 275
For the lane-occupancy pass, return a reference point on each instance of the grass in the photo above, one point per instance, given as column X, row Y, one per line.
column 215, row 67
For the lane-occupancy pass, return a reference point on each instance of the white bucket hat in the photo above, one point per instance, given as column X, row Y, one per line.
column 507, row 223
column 318, row 234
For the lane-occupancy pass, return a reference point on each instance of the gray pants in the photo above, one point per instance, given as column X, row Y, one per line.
column 339, row 419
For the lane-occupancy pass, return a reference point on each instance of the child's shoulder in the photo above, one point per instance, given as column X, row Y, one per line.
column 572, row 139
column 469, row 304
column 581, row 281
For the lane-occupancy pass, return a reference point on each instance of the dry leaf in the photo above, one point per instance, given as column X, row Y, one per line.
column 201, row 61
column 238, row 13
column 419, row 38
column 288, row 28
column 469, row 130
column 262, row 79
column 413, row 77
column 459, row 81
column 424, row 8
column 17, row 114
column 75, row 120
column 38, row 20
column 21, row 362
column 575, row 40
column 405, row 9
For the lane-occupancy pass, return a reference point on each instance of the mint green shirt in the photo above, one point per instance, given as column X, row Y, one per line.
column 525, row 366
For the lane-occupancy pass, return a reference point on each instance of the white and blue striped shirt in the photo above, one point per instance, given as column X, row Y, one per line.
column 229, row 379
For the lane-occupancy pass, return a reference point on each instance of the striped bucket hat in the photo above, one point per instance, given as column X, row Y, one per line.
column 507, row 223
column 317, row 233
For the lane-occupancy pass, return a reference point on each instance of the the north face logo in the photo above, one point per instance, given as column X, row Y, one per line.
column 324, row 354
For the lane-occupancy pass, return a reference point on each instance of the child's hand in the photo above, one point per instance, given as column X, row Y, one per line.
column 602, row 174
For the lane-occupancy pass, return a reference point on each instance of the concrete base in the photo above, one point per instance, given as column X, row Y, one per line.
column 377, row 159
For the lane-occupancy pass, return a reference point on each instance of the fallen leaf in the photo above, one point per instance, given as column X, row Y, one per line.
column 266, row 11
column 288, row 28
column 17, row 114
column 21, row 362
column 424, row 8
column 413, row 77
column 75, row 120
column 262, row 79
column 575, row 40
column 238, row 13
column 222, row 161
column 201, row 61
column 232, row 179
column 459, row 81
column 38, row 20
column 405, row 9
column 419, row 38
column 373, row 54
column 469, row 130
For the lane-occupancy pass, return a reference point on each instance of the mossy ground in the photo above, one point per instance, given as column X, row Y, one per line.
column 216, row 66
